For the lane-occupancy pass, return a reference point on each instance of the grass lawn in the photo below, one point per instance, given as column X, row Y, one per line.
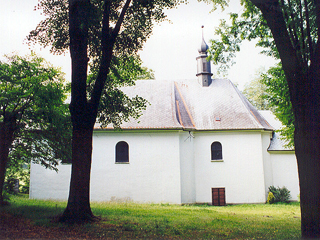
column 132, row 220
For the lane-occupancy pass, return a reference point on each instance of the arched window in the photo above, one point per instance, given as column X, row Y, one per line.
column 216, row 151
column 122, row 152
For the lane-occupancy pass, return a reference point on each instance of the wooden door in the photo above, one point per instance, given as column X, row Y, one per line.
column 218, row 197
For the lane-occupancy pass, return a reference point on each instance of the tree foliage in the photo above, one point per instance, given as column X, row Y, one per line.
column 255, row 92
column 126, row 66
column 34, row 120
column 300, row 19
column 278, row 98
column 269, row 91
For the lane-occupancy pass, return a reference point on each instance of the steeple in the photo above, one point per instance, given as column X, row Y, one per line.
column 203, row 66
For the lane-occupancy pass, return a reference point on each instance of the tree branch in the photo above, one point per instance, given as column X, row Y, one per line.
column 291, row 29
column 78, row 32
column 108, row 41
column 303, row 48
column 316, row 58
column 116, row 30
column 272, row 12
column 309, row 38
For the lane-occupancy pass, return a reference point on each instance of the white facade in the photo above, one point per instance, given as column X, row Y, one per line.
column 48, row 184
column 152, row 174
column 176, row 167
column 285, row 171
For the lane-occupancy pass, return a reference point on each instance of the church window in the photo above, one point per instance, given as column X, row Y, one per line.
column 122, row 152
column 216, row 151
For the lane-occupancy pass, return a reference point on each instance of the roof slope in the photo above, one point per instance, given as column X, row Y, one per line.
column 188, row 105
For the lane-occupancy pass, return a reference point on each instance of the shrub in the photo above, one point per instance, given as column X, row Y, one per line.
column 280, row 194
column 9, row 186
column 270, row 198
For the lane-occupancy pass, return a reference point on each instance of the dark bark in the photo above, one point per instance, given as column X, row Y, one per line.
column 84, row 112
column 78, row 208
column 307, row 152
column 7, row 128
column 307, row 142
column 304, row 87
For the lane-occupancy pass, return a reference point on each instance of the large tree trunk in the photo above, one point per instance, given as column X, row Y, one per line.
column 308, row 157
column 82, row 115
column 306, row 103
column 304, row 86
column 7, row 128
column 4, row 152
column 84, row 111
column 78, row 208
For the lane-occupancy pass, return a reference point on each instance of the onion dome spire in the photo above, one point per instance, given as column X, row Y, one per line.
column 204, row 47
column 203, row 65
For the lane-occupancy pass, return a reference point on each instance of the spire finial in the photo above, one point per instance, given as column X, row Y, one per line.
column 204, row 47
column 202, row 30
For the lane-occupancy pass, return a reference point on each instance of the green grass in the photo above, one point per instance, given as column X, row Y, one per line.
column 132, row 220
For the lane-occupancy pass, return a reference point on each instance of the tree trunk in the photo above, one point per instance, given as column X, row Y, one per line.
column 83, row 116
column 306, row 103
column 78, row 208
column 308, row 158
column 304, row 86
column 6, row 137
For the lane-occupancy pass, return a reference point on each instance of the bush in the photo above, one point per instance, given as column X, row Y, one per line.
column 10, row 186
column 270, row 198
column 280, row 194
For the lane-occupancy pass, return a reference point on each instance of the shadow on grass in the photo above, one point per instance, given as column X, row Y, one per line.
column 40, row 212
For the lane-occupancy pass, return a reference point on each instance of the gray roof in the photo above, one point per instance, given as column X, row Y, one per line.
column 187, row 105
column 276, row 143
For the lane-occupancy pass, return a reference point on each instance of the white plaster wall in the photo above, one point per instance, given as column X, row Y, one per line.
column 241, row 172
column 49, row 184
column 285, row 171
column 267, row 163
column 152, row 174
column 187, row 167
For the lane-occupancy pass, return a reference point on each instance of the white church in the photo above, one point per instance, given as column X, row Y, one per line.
column 199, row 141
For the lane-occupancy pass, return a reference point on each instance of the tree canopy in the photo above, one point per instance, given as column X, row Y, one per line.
column 255, row 92
column 269, row 91
column 34, row 120
column 300, row 19
column 125, row 66
column 278, row 98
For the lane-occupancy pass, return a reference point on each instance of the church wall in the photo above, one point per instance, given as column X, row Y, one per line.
column 187, row 167
column 285, row 171
column 268, row 171
column 152, row 174
column 49, row 184
column 241, row 172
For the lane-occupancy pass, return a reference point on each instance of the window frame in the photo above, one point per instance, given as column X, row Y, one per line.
column 212, row 150
column 117, row 151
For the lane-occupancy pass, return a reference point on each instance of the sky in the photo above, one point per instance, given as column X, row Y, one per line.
column 171, row 51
